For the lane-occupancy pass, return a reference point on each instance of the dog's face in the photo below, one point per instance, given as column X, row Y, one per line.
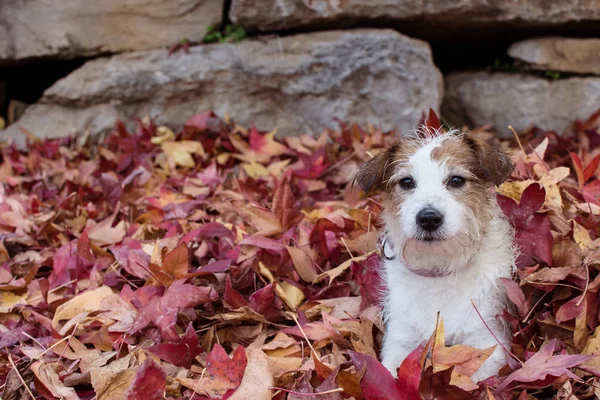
column 437, row 194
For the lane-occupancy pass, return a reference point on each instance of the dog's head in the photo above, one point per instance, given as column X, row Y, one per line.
column 437, row 193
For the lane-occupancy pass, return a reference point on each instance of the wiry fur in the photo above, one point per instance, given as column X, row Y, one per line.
column 462, row 262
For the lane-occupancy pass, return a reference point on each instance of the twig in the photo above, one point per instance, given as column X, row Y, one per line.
column 54, row 345
column 19, row 374
column 35, row 340
column 198, row 383
column 534, row 306
column 307, row 394
column 68, row 341
column 494, row 335
column 587, row 283
column 54, row 290
column 304, row 334
column 518, row 140
column 347, row 249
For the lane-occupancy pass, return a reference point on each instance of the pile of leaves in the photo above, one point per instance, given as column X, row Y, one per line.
column 222, row 263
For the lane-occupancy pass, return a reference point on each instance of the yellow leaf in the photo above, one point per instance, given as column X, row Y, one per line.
column 337, row 271
column 163, row 134
column 47, row 374
column 258, row 379
column 465, row 360
column 86, row 302
column 181, row 152
column 514, row 190
column 9, row 300
column 290, row 294
column 550, row 182
column 264, row 221
column 582, row 237
column 255, row 170
column 264, row 271
column 277, row 167
column 303, row 263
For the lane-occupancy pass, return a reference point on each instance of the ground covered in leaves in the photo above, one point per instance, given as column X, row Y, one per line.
column 220, row 263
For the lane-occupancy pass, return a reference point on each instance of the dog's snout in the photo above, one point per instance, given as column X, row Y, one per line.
column 430, row 219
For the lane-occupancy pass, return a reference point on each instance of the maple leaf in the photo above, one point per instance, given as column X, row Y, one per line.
column 377, row 382
column 180, row 353
column 132, row 257
column 436, row 386
column 175, row 265
column 543, row 364
column 163, row 310
column 148, row 383
column 222, row 373
column 283, row 205
column 409, row 373
column 533, row 229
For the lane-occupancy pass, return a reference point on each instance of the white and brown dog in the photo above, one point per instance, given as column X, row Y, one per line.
column 446, row 242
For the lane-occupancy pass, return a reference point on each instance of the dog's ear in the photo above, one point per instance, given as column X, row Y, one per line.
column 373, row 174
column 494, row 164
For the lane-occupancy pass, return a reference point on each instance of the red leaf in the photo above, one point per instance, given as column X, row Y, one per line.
column 162, row 311
column 533, row 236
column 132, row 258
column 228, row 372
column 433, row 121
column 149, row 382
column 177, row 262
column 283, row 205
column 182, row 353
column 578, row 165
column 436, row 386
column 265, row 302
column 591, row 192
column 570, row 310
column 515, row 294
column 590, row 170
column 409, row 373
column 543, row 364
column 377, row 383
column 232, row 297
column 264, row 243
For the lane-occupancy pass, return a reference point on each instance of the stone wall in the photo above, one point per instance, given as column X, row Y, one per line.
column 304, row 64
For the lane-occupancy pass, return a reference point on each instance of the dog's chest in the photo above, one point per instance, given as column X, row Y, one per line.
column 415, row 301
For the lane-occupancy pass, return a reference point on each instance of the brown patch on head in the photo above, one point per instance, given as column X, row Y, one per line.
column 493, row 164
column 484, row 158
column 374, row 174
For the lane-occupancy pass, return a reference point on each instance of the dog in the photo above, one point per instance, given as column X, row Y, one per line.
column 446, row 243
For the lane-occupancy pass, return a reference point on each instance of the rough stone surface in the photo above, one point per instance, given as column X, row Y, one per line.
column 72, row 28
column 298, row 84
column 559, row 54
column 432, row 15
column 501, row 99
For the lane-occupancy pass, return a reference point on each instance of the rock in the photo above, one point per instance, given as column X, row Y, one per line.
column 75, row 28
column 427, row 18
column 559, row 54
column 522, row 101
column 299, row 84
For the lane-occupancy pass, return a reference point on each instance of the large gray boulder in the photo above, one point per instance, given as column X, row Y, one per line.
column 501, row 99
column 428, row 17
column 298, row 84
column 74, row 28
column 559, row 54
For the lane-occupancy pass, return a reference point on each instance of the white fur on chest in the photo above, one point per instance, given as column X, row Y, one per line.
column 412, row 301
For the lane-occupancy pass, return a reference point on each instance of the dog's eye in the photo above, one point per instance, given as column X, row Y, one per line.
column 407, row 183
column 456, row 181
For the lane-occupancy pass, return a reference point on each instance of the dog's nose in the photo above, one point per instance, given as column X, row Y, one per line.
column 430, row 219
